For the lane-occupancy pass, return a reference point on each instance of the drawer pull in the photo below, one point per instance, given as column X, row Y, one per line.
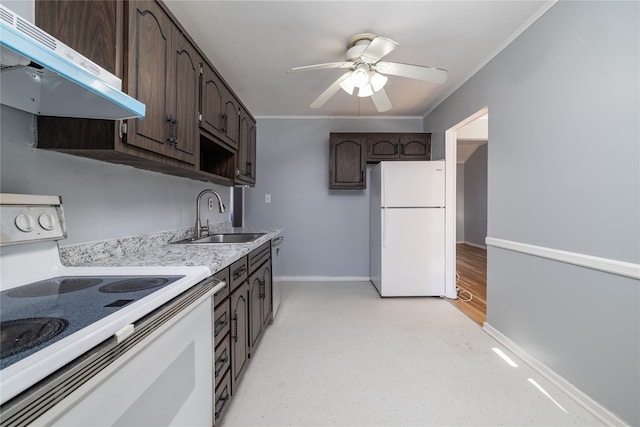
column 220, row 363
column 239, row 272
column 220, row 325
column 222, row 289
column 224, row 400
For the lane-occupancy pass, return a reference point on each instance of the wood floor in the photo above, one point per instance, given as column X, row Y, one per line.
column 471, row 265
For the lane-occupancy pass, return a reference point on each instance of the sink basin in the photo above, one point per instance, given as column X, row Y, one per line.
column 224, row 238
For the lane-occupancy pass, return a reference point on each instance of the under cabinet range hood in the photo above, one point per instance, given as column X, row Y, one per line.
column 43, row 76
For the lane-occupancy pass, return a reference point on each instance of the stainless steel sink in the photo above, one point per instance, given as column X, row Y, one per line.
column 224, row 238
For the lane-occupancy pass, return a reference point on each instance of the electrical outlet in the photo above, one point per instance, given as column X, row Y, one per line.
column 210, row 203
column 267, row 198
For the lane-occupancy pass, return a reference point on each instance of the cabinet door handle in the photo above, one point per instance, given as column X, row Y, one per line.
column 249, row 168
column 224, row 123
column 361, row 176
column 235, row 328
column 171, row 121
column 402, row 149
column 395, row 150
column 176, row 123
column 263, row 289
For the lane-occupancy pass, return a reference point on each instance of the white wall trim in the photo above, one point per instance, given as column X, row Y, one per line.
column 450, row 156
column 607, row 265
column 572, row 391
column 322, row 278
column 341, row 117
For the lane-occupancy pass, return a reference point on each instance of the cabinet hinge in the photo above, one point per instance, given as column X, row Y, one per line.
column 122, row 129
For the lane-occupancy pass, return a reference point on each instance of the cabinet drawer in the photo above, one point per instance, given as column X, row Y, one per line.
column 223, row 293
column 222, row 320
column 258, row 256
column 238, row 273
column 222, row 360
column 222, row 397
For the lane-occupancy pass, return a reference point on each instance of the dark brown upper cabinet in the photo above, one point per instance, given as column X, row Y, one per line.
column 211, row 102
column 246, row 157
column 394, row 146
column 192, row 122
column 220, row 109
column 415, row 146
column 347, row 161
column 230, row 118
column 350, row 152
column 163, row 72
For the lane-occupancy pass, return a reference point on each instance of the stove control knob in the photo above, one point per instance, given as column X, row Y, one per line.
column 25, row 222
column 46, row 221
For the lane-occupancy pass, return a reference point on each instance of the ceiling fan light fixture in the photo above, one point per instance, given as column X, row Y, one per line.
column 347, row 85
column 360, row 76
column 365, row 91
column 377, row 81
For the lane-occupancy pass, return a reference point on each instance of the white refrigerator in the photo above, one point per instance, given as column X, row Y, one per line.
column 408, row 228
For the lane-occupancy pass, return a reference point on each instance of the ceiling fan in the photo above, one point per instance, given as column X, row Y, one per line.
column 368, row 73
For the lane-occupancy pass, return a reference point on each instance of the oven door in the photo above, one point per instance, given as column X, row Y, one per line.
column 165, row 379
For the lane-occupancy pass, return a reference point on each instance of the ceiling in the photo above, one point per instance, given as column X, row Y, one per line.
column 253, row 44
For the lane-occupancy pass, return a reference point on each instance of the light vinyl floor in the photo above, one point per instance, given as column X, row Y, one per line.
column 339, row 355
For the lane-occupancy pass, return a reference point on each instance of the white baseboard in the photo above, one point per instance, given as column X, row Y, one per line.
column 572, row 391
column 322, row 279
column 607, row 265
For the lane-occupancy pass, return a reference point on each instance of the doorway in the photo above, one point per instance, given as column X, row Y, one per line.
column 466, row 149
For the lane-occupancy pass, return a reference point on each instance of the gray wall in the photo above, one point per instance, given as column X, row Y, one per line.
column 326, row 232
column 475, row 197
column 101, row 200
column 563, row 174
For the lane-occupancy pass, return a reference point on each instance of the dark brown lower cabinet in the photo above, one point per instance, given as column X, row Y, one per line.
column 255, row 302
column 267, row 301
column 259, row 302
column 239, row 333
column 246, row 303
column 222, row 349
column 222, row 398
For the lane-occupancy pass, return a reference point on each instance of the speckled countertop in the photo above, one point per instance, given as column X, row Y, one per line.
column 155, row 249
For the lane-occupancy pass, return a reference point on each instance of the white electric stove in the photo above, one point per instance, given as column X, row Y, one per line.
column 52, row 314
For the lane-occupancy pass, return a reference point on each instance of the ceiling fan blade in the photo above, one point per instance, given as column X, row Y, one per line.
column 323, row 66
column 429, row 74
column 329, row 92
column 379, row 47
column 381, row 101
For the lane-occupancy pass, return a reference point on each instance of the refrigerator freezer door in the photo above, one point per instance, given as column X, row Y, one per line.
column 412, row 252
column 413, row 184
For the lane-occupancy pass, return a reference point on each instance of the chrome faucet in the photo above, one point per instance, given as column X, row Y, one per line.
column 197, row 233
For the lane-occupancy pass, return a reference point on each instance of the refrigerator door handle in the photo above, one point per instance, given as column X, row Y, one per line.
column 384, row 207
column 384, row 228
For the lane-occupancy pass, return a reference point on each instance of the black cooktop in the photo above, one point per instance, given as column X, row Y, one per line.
column 36, row 315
